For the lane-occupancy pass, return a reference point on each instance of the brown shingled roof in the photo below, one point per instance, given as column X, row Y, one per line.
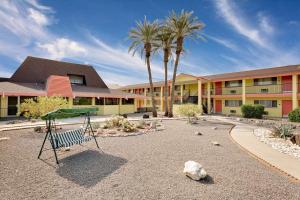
column 37, row 70
column 22, row 89
column 267, row 72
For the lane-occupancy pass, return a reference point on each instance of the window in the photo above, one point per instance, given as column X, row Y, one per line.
column 99, row 101
column 267, row 103
column 127, row 101
column 177, row 88
column 82, row 101
column 77, row 79
column 111, row 101
column 237, row 83
column 265, row 81
column 233, row 103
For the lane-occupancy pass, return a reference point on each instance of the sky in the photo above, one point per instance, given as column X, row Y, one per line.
column 239, row 35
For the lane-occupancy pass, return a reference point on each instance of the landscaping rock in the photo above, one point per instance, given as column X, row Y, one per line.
column 153, row 125
column 111, row 132
column 67, row 149
column 238, row 119
column 215, row 143
column 198, row 133
column 214, row 128
column 296, row 139
column 145, row 116
column 194, row 170
column 4, row 138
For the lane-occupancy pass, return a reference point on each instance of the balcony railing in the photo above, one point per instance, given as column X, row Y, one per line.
column 269, row 89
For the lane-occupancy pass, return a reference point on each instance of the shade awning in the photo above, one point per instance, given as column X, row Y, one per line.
column 68, row 113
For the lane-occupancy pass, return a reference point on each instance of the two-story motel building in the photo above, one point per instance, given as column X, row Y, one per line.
column 79, row 84
column 276, row 88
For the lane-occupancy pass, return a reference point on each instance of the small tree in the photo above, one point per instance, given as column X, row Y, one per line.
column 188, row 110
column 294, row 116
column 35, row 108
column 253, row 111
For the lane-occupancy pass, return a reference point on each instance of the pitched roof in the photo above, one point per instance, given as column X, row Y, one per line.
column 267, row 72
column 22, row 89
column 37, row 70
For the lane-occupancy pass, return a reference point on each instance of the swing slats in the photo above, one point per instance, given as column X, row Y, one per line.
column 69, row 138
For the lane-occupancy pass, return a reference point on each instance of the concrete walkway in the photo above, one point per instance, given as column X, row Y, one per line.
column 243, row 135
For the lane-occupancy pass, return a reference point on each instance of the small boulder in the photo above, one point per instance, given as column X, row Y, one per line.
column 194, row 170
column 238, row 119
column 111, row 132
column 145, row 116
column 198, row 133
column 214, row 128
column 215, row 143
column 153, row 125
column 67, row 149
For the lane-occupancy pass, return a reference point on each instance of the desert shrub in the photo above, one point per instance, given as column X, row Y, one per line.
column 294, row 116
column 128, row 127
column 283, row 131
column 35, row 108
column 145, row 116
column 119, row 122
column 253, row 111
column 188, row 110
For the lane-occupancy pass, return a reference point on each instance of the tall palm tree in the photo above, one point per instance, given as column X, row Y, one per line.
column 183, row 25
column 166, row 44
column 143, row 37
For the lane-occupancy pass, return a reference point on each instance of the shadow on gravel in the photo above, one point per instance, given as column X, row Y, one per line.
column 207, row 180
column 89, row 167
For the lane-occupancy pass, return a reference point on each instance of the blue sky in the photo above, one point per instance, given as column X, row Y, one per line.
column 240, row 35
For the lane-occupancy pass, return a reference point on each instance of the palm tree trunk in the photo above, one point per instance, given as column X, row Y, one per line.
column 166, row 56
column 178, row 52
column 154, row 112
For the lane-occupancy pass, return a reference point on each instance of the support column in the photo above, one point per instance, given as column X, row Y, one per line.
column 70, row 101
column 244, row 91
column 181, row 94
column 3, row 106
column 208, row 98
column 18, row 105
column 295, row 91
column 200, row 96
column 161, row 98
column 145, row 100
column 93, row 101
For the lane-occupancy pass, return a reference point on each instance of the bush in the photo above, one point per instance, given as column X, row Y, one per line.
column 294, row 116
column 253, row 111
column 188, row 110
column 119, row 122
column 128, row 127
column 35, row 108
column 145, row 116
column 283, row 131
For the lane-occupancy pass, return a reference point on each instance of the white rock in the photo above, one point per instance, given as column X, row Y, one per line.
column 4, row 138
column 67, row 149
column 214, row 128
column 238, row 119
column 215, row 143
column 194, row 170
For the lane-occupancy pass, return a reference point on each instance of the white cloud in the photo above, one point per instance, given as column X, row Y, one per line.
column 230, row 13
column 227, row 43
column 63, row 47
column 38, row 17
column 264, row 24
column 38, row 6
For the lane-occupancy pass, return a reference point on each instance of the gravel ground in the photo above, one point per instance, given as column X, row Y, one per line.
column 139, row 167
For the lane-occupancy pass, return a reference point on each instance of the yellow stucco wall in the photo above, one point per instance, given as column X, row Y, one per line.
column 111, row 110
column 125, row 109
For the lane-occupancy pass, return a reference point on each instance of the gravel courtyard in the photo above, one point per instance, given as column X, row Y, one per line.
column 139, row 167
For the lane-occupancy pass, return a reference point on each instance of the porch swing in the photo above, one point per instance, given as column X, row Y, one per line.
column 70, row 137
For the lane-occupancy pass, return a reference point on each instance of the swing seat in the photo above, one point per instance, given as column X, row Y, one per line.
column 69, row 138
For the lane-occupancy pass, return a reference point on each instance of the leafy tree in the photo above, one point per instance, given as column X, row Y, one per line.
column 183, row 26
column 143, row 37
column 35, row 108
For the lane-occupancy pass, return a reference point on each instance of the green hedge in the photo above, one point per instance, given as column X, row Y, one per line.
column 294, row 116
column 253, row 111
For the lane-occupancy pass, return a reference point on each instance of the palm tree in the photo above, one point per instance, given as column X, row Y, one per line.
column 183, row 25
column 166, row 44
column 143, row 37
